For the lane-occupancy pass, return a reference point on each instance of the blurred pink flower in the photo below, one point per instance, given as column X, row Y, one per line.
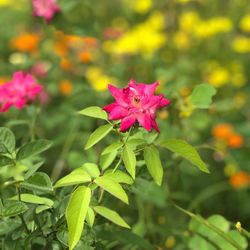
column 45, row 8
column 21, row 89
column 39, row 70
column 136, row 103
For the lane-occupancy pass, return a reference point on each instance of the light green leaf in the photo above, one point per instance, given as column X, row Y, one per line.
column 111, row 215
column 113, row 147
column 91, row 169
column 32, row 148
column 129, row 159
column 112, row 187
column 95, row 112
column 107, row 159
column 153, row 162
column 135, row 142
column 41, row 208
column 5, row 161
column 119, row 176
column 34, row 199
column 97, row 135
column 38, row 182
column 186, row 151
column 77, row 176
column 7, row 140
column 76, row 213
column 13, row 208
column 201, row 96
column 90, row 218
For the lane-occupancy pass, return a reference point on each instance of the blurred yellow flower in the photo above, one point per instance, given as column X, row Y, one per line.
column 6, row 2
column 241, row 44
column 140, row 6
column 245, row 23
column 218, row 77
column 213, row 26
column 240, row 99
column 144, row 38
column 97, row 78
column 170, row 242
column 230, row 169
column 181, row 40
column 188, row 21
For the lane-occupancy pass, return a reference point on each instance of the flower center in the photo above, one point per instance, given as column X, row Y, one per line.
column 137, row 99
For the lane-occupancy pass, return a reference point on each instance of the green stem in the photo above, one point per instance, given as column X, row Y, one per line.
column 101, row 195
column 117, row 165
column 209, row 225
column 21, row 216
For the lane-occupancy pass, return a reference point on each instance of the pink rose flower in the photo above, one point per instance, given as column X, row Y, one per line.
column 136, row 103
column 21, row 89
column 45, row 8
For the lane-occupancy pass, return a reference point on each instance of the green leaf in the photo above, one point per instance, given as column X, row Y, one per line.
column 33, row 169
column 91, row 169
column 201, row 96
column 90, row 218
column 7, row 140
column 38, row 182
column 5, row 161
column 135, row 142
column 76, row 213
column 112, row 187
column 32, row 148
column 153, row 162
column 111, row 215
column 97, row 135
column 95, row 112
column 150, row 192
column 77, row 176
column 129, row 159
column 107, row 159
column 34, row 199
column 186, row 151
column 119, row 176
column 41, row 208
column 113, row 147
column 13, row 208
column 208, row 225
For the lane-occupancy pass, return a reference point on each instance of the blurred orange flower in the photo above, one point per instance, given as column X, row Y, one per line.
column 85, row 57
column 235, row 141
column 65, row 87
column 26, row 42
column 66, row 64
column 222, row 131
column 3, row 80
column 240, row 179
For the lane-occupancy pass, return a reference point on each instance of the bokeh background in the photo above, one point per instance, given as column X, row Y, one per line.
column 180, row 43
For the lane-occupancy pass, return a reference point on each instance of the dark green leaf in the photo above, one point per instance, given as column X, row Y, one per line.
column 32, row 148
column 5, row 161
column 7, row 140
column 38, row 182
